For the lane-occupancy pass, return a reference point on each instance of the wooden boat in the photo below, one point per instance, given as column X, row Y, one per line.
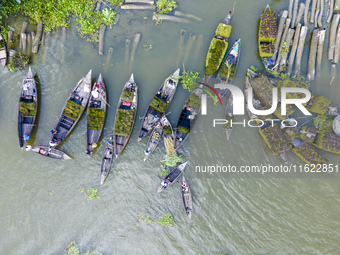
column 106, row 161
column 153, row 141
column 218, row 47
column 336, row 125
column 73, row 109
column 27, row 110
column 96, row 112
column 257, row 105
column 171, row 177
column 186, row 195
column 168, row 134
column 125, row 115
column 188, row 117
column 44, row 150
column 159, row 104
column 3, row 53
column 267, row 36
column 229, row 116
column 228, row 68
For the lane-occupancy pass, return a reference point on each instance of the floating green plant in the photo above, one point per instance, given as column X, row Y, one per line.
column 165, row 6
column 73, row 250
column 188, row 80
column 90, row 194
column 19, row 62
column 165, row 220
column 143, row 219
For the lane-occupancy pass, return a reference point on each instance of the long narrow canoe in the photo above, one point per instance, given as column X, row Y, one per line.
column 153, row 141
column 218, row 47
column 3, row 53
column 27, row 110
column 187, row 199
column 44, row 151
column 267, row 36
column 106, row 161
column 188, row 117
column 73, row 109
column 171, row 177
column 125, row 115
column 96, row 112
column 168, row 135
column 228, row 68
column 159, row 104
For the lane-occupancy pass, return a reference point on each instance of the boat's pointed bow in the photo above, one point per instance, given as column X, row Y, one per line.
column 132, row 78
column 88, row 76
column 30, row 73
column 100, row 78
column 176, row 73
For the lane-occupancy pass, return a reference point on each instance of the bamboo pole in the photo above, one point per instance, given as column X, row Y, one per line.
column 333, row 73
column 191, row 41
column 312, row 56
column 300, row 47
column 33, row 36
column 137, row 7
column 321, row 13
column 294, row 47
column 290, row 8
column 23, row 29
column 283, row 39
column 330, row 14
column 321, row 40
column 283, row 17
column 336, row 6
column 23, row 39
column 312, row 13
column 296, row 5
column 305, row 16
column 332, row 35
column 285, row 49
column 29, row 44
column 317, row 13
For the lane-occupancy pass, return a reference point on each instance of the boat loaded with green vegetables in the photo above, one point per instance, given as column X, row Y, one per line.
column 188, row 117
column 96, row 112
column 28, row 105
column 154, row 139
column 72, row 111
column 159, row 104
column 3, row 53
column 218, row 47
column 125, row 115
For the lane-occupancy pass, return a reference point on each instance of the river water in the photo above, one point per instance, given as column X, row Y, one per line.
column 42, row 210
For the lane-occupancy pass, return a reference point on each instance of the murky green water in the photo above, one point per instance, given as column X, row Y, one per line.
column 42, row 210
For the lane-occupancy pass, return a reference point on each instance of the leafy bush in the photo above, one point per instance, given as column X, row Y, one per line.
column 27, row 109
column 194, row 101
column 189, row 80
column 322, row 123
column 72, row 109
column 19, row 62
column 124, row 122
column 127, row 95
column 216, row 52
column 95, row 118
column 165, row 220
column 223, row 30
column 158, row 105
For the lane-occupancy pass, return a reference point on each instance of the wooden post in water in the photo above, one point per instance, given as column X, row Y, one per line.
column 294, row 47
column 333, row 73
column 320, row 13
column 332, row 35
column 283, row 17
column 140, row 1
column 108, row 58
column 134, row 49
column 285, row 49
column 283, row 39
column 33, row 36
column 137, row 7
column 330, row 14
column 182, row 33
column 299, row 52
column 191, row 41
column 337, row 46
column 336, row 6
column 305, row 16
column 189, row 16
column 127, row 51
column 29, row 44
column 299, row 16
column 101, row 38
column 312, row 12
column 312, row 56
column 37, row 38
column 296, row 5
column 23, row 39
column 290, row 9
column 321, row 40
column 23, row 29
column 171, row 18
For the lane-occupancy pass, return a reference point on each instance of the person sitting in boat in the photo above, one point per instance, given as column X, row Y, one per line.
column 164, row 183
column 54, row 131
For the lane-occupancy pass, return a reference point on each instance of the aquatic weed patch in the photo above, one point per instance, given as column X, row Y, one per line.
column 165, row 220
column 90, row 194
